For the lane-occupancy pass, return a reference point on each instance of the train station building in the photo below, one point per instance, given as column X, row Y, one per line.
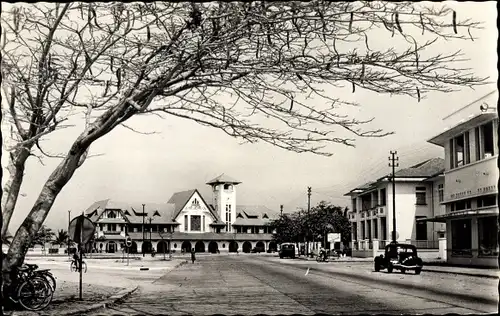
column 187, row 220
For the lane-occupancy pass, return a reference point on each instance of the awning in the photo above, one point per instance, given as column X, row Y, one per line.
column 460, row 214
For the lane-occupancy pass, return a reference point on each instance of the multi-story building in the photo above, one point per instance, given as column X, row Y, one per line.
column 471, row 183
column 186, row 221
column 418, row 190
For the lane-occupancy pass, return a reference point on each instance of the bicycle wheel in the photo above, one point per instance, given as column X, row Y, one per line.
column 72, row 267
column 84, row 267
column 50, row 278
column 35, row 294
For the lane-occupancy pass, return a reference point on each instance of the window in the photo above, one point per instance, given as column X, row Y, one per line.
column 185, row 223
column 488, row 238
column 441, row 192
column 101, row 227
column 195, row 203
column 227, row 187
column 461, row 205
column 459, row 149
column 461, row 237
column 375, row 229
column 478, row 143
column 383, row 228
column 383, row 197
column 369, row 226
column 203, row 224
column 195, row 223
column 363, row 233
column 487, row 200
column 111, row 214
column 487, row 145
column 421, row 231
column 354, row 208
column 420, row 195
column 354, row 231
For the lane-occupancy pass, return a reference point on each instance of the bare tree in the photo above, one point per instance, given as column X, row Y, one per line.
column 112, row 61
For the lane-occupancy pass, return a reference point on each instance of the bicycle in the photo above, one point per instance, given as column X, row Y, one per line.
column 32, row 292
column 32, row 270
column 320, row 258
column 74, row 266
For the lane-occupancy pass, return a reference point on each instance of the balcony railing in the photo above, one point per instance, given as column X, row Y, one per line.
column 426, row 244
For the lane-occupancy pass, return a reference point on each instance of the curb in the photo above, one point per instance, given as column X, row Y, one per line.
column 110, row 301
column 462, row 273
column 424, row 269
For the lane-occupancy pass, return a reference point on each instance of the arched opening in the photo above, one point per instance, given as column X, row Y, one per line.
column 111, row 247
column 199, row 246
column 186, row 246
column 147, row 246
column 247, row 246
column 213, row 247
column 162, row 247
column 233, row 246
column 260, row 247
column 272, row 246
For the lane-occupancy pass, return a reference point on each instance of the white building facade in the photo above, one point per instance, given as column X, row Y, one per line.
column 184, row 222
column 471, row 183
column 418, row 190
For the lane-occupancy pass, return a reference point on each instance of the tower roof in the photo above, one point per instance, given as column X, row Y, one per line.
column 224, row 179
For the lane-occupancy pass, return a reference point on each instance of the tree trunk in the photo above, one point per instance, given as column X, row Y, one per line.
column 17, row 162
column 32, row 223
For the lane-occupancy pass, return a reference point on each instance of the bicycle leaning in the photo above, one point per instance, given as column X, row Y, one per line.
column 30, row 288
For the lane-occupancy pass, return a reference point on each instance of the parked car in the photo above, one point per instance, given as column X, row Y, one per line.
column 257, row 250
column 287, row 250
column 399, row 256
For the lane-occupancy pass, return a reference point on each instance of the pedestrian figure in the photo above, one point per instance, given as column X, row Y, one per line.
column 193, row 257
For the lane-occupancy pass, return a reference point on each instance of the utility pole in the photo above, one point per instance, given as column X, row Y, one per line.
column 393, row 164
column 308, row 217
column 143, row 215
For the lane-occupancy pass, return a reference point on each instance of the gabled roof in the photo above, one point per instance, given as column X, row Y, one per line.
column 425, row 169
column 180, row 199
column 254, row 215
column 223, row 178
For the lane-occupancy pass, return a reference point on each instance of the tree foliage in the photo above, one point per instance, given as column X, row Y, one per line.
column 248, row 69
column 313, row 225
column 61, row 239
column 43, row 236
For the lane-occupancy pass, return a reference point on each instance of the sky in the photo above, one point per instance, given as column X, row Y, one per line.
column 183, row 155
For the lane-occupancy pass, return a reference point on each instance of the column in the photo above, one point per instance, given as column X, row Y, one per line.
column 374, row 247
column 442, row 248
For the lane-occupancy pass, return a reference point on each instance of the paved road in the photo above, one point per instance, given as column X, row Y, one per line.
column 253, row 285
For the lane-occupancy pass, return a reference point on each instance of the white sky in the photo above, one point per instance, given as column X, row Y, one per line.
column 184, row 155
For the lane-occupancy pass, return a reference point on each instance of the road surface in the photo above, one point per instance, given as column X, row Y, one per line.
column 268, row 285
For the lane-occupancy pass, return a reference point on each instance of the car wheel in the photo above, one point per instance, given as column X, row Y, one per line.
column 417, row 271
column 389, row 268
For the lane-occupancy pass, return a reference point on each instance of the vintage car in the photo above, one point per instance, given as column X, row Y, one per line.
column 287, row 250
column 399, row 256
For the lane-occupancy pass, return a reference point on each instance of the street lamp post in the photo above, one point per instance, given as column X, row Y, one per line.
column 69, row 222
column 143, row 215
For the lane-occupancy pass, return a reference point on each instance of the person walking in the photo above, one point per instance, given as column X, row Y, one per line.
column 193, row 257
